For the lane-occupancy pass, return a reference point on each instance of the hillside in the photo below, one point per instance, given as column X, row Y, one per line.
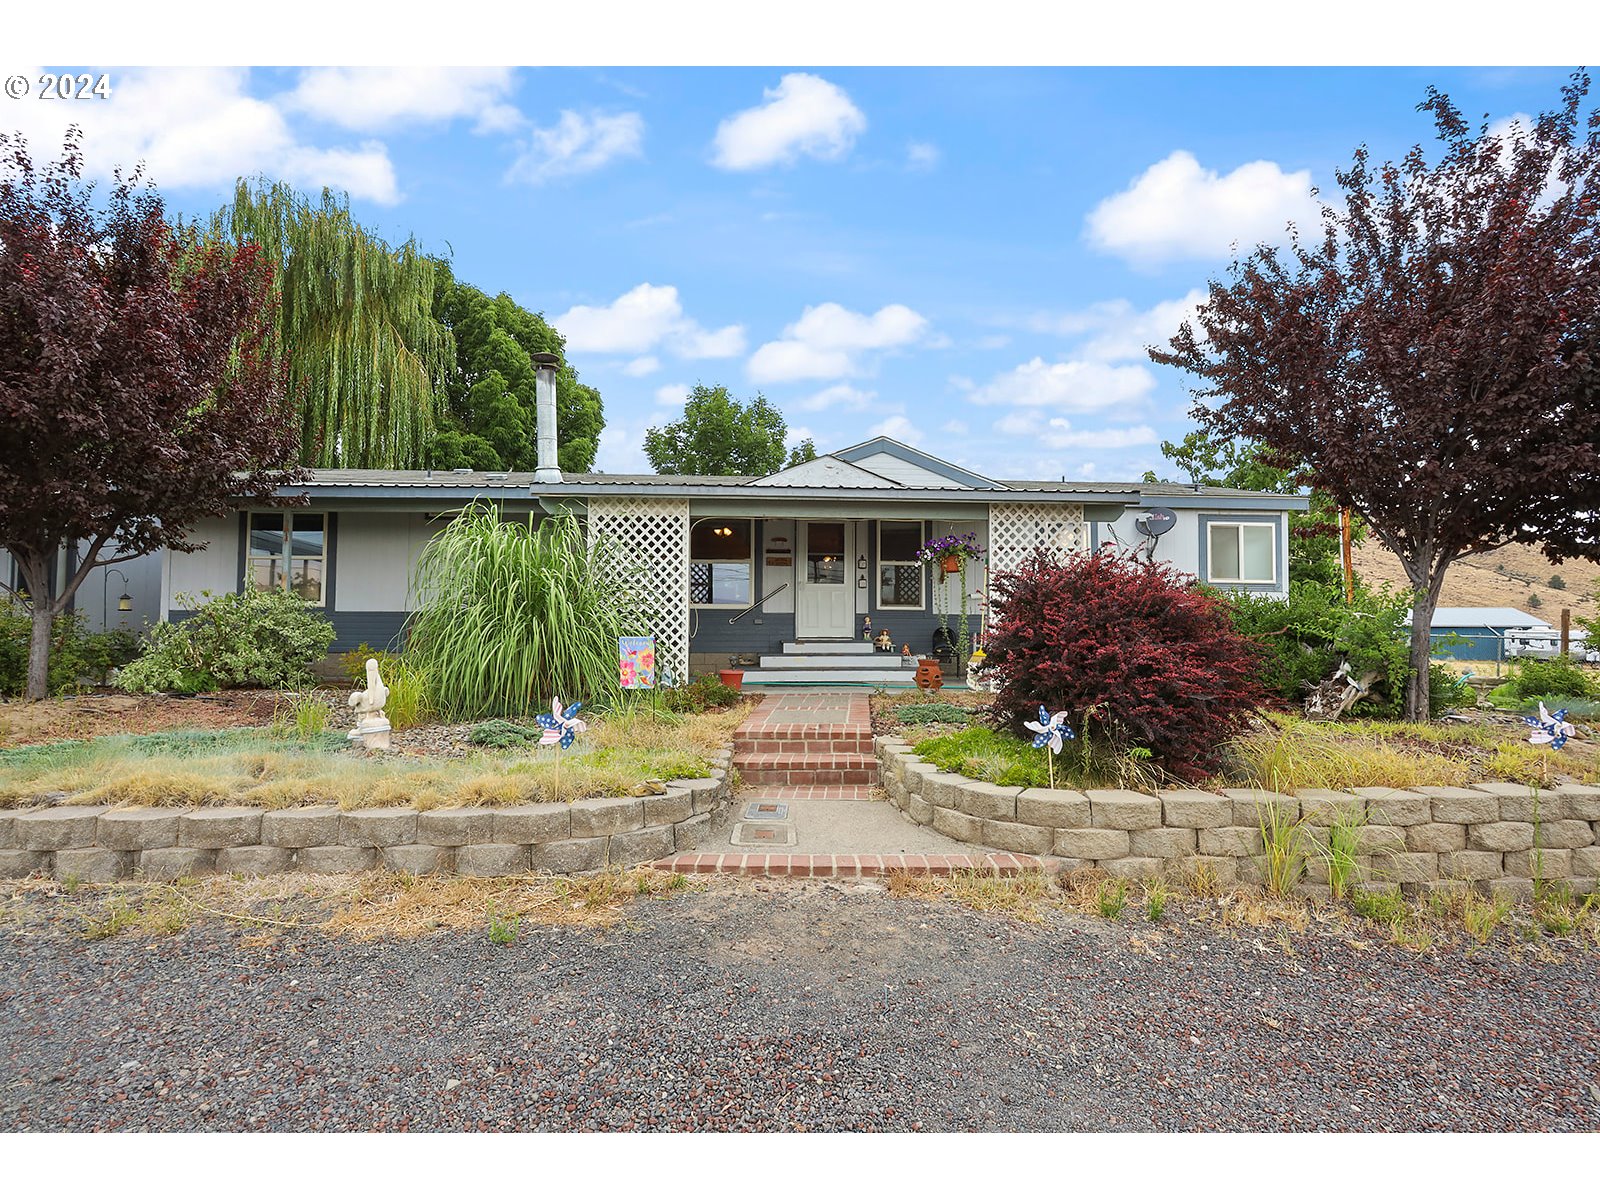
column 1503, row 577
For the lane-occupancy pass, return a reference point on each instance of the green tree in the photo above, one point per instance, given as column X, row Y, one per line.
column 1314, row 554
column 490, row 420
column 718, row 435
column 364, row 354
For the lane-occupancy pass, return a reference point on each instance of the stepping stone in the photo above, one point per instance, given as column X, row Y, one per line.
column 762, row 833
column 766, row 810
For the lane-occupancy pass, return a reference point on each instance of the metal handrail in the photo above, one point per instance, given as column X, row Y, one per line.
column 757, row 604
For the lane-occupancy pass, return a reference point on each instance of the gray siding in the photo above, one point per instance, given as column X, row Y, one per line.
column 380, row 630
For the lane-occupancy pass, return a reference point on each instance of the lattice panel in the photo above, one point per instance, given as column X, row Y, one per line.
column 1016, row 530
column 652, row 539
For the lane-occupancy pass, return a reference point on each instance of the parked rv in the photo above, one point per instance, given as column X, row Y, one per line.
column 1546, row 643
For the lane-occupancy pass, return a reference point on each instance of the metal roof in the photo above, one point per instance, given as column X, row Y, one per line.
column 1491, row 618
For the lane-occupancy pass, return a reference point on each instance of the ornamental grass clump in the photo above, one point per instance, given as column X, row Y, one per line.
column 1136, row 656
column 518, row 611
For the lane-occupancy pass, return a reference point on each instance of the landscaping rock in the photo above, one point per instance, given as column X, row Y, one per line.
column 1233, row 841
column 1586, row 862
column 597, row 818
column 989, row 801
column 944, row 790
column 1224, row 870
column 19, row 864
column 1533, row 806
column 957, row 825
column 1565, row 835
column 1251, row 805
column 455, row 827
column 919, row 810
column 1054, row 808
column 705, row 794
column 1381, row 839
column 1190, row 808
column 1436, row 838
column 1323, row 806
column 1133, row 868
column 641, row 846
column 1020, row 839
column 415, row 860
column 138, row 828
column 1163, row 843
column 1501, row 835
column 254, row 860
column 1461, row 806
column 215, row 828
column 527, row 824
column 1387, row 806
column 491, row 860
column 1539, row 864
column 312, row 825
column 93, row 865
column 569, row 857
column 1582, row 801
column 335, row 860
column 1410, row 867
column 1120, row 809
column 8, row 831
column 1471, row 864
column 378, row 827
column 1096, row 844
column 176, row 862
column 917, row 774
column 65, row 827
column 686, row 835
column 677, row 805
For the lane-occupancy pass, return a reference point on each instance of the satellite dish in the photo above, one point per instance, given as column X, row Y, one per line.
column 1154, row 522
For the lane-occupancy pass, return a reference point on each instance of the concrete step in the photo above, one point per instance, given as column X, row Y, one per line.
column 843, row 646
column 865, row 661
column 825, row 675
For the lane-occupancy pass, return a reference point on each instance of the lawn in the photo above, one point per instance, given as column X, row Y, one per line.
column 622, row 754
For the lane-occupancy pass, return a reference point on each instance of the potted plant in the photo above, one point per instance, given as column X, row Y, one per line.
column 952, row 552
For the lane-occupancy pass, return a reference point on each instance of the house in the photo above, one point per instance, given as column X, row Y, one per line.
column 1484, row 631
column 778, row 573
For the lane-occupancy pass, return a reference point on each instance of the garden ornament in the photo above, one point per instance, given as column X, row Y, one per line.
column 1550, row 729
column 561, row 726
column 1050, row 731
column 372, row 726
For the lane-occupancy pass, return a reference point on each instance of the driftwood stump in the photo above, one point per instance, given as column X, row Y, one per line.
column 1332, row 698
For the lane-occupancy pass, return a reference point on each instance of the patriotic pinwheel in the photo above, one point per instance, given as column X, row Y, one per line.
column 561, row 726
column 1052, row 732
column 1552, row 729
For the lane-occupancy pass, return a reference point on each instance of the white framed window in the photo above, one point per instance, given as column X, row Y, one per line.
column 1241, row 552
column 899, row 572
column 288, row 551
column 721, row 563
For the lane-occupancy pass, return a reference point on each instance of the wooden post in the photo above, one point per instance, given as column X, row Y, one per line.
column 1566, row 632
column 1344, row 547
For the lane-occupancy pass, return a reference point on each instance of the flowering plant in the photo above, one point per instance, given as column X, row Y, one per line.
column 963, row 546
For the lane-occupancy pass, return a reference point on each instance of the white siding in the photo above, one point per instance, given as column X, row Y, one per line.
column 1181, row 547
column 215, row 568
column 375, row 556
column 907, row 473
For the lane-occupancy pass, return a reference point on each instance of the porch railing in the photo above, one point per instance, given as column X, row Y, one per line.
column 757, row 604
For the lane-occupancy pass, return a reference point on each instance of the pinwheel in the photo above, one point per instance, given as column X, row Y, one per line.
column 1550, row 729
column 1049, row 731
column 561, row 726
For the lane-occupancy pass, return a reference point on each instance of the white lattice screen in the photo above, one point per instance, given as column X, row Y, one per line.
column 1016, row 530
column 652, row 538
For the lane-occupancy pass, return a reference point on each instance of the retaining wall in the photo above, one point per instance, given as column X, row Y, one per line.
column 1490, row 835
column 97, row 844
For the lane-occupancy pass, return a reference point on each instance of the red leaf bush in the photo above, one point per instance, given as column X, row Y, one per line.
column 1130, row 647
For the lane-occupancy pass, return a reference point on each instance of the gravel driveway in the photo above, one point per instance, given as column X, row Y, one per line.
column 790, row 1006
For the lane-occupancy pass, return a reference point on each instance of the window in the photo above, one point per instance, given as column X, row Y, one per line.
column 825, row 552
column 721, row 566
column 288, row 551
column 1241, row 553
column 899, row 572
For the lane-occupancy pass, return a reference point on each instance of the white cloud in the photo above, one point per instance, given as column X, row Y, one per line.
column 372, row 98
column 839, row 395
column 828, row 340
column 1058, row 433
column 959, row 428
column 796, row 435
column 672, row 393
column 803, row 115
column 646, row 365
column 897, row 427
column 1178, row 209
column 576, row 145
column 643, row 320
column 1121, row 331
column 199, row 127
column 621, row 448
column 922, row 156
column 1074, row 385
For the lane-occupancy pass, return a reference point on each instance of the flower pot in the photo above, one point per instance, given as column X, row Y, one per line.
column 951, row 563
column 930, row 676
column 731, row 679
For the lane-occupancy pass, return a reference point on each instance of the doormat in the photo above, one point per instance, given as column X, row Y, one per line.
column 762, row 833
column 766, row 810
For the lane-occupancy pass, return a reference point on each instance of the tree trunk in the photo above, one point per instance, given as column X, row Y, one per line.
column 39, row 653
column 1423, row 602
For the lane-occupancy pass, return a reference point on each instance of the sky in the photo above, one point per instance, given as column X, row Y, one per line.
column 971, row 260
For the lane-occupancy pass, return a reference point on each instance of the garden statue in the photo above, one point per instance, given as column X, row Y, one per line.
column 372, row 726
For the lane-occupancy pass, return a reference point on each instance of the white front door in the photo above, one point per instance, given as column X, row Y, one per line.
column 824, row 604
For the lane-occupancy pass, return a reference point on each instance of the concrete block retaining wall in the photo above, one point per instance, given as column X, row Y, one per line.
column 1415, row 837
column 101, row 845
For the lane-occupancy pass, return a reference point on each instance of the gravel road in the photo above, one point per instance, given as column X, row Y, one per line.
column 790, row 1006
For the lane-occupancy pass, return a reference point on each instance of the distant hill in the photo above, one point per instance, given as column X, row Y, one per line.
column 1503, row 577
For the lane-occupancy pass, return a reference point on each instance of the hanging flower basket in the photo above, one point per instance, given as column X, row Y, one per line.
column 950, row 551
column 951, row 563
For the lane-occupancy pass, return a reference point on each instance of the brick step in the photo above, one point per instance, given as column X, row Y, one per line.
column 848, row 866
column 814, row 791
column 777, row 742
column 812, row 776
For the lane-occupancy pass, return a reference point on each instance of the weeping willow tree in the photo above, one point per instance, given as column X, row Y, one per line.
column 366, row 358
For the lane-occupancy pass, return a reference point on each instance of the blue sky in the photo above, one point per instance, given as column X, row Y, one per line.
column 967, row 259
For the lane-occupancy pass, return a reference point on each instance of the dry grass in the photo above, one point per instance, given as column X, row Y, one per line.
column 1293, row 754
column 1022, row 897
column 620, row 755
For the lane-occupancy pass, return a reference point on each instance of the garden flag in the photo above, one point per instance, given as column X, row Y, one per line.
column 561, row 726
column 636, row 661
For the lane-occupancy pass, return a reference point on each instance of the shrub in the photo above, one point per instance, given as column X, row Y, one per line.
column 705, row 693
column 933, row 714
column 516, row 612
column 253, row 638
column 1534, row 601
column 1134, row 655
column 1557, row 583
column 75, row 653
column 1446, row 690
column 1555, row 676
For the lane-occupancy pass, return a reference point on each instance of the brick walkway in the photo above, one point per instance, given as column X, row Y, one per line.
column 811, row 754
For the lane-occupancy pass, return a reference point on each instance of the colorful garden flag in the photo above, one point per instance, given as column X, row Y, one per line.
column 636, row 661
